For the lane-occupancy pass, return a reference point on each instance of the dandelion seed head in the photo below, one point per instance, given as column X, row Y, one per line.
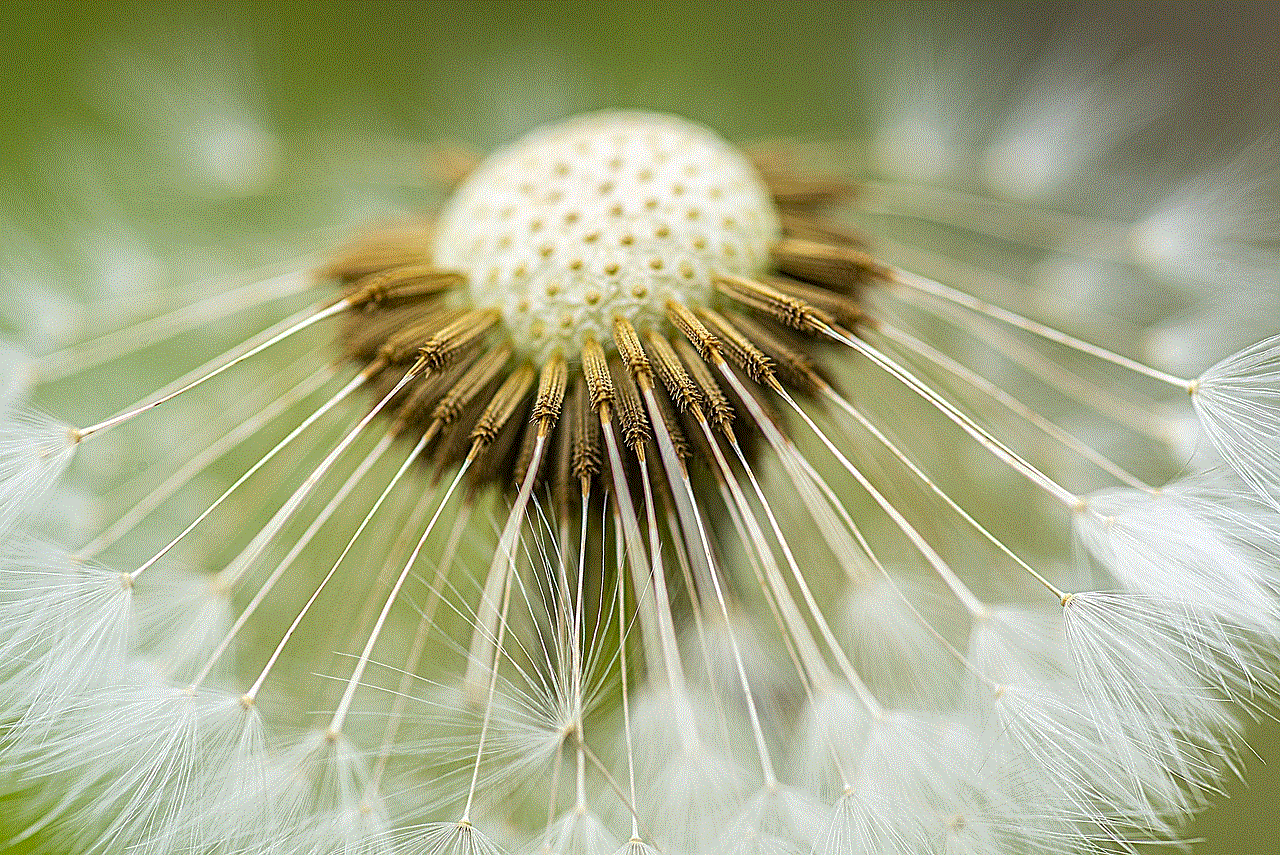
column 654, row 495
column 611, row 214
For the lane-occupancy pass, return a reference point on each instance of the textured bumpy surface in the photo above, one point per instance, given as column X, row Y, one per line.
column 603, row 215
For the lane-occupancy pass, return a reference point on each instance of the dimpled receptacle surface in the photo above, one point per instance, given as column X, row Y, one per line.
column 609, row 214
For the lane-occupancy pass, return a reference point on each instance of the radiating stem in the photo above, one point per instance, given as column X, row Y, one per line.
column 278, row 333
column 916, row 282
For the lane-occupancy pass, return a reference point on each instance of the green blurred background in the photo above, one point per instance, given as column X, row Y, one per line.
column 95, row 98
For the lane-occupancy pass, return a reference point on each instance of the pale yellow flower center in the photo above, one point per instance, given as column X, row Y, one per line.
column 610, row 214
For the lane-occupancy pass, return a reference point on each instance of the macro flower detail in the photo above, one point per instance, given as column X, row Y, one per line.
column 636, row 501
column 603, row 216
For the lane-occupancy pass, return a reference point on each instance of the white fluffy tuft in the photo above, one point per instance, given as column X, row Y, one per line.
column 448, row 838
column 1238, row 402
column 578, row 832
column 1156, row 675
column 64, row 628
column 860, row 823
column 34, row 451
column 326, row 804
column 1187, row 544
column 892, row 647
column 174, row 769
column 182, row 618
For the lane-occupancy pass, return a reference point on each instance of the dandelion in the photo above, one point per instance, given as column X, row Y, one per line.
column 639, row 502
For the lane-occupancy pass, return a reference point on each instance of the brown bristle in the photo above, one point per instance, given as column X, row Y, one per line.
column 824, row 231
column 794, row 367
column 503, row 404
column 379, row 251
column 595, row 369
column 635, row 426
column 524, row 457
column 842, row 268
column 671, row 423
column 481, row 373
column 585, row 446
column 843, row 309
column 424, row 394
column 551, row 387
column 683, row 319
column 667, row 365
column 801, row 194
column 719, row 411
column 445, row 343
column 561, row 471
column 739, row 349
column 699, row 444
column 494, row 462
column 405, row 344
column 400, row 285
column 632, row 352
column 474, row 402
column 784, row 308
column 364, row 335
column 791, row 188
column 455, row 443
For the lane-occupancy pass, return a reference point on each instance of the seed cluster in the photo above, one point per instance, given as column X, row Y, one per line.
column 603, row 215
column 465, row 339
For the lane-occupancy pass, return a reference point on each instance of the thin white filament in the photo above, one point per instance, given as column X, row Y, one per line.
column 968, row 425
column 916, row 282
column 500, row 570
column 113, row 345
column 924, row 478
column 262, row 677
column 425, row 623
column 1011, row 403
column 282, row 516
column 340, row 715
column 1132, row 412
column 343, row 393
column 688, row 507
column 1027, row 225
column 301, row 544
column 185, row 473
column 277, row 333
